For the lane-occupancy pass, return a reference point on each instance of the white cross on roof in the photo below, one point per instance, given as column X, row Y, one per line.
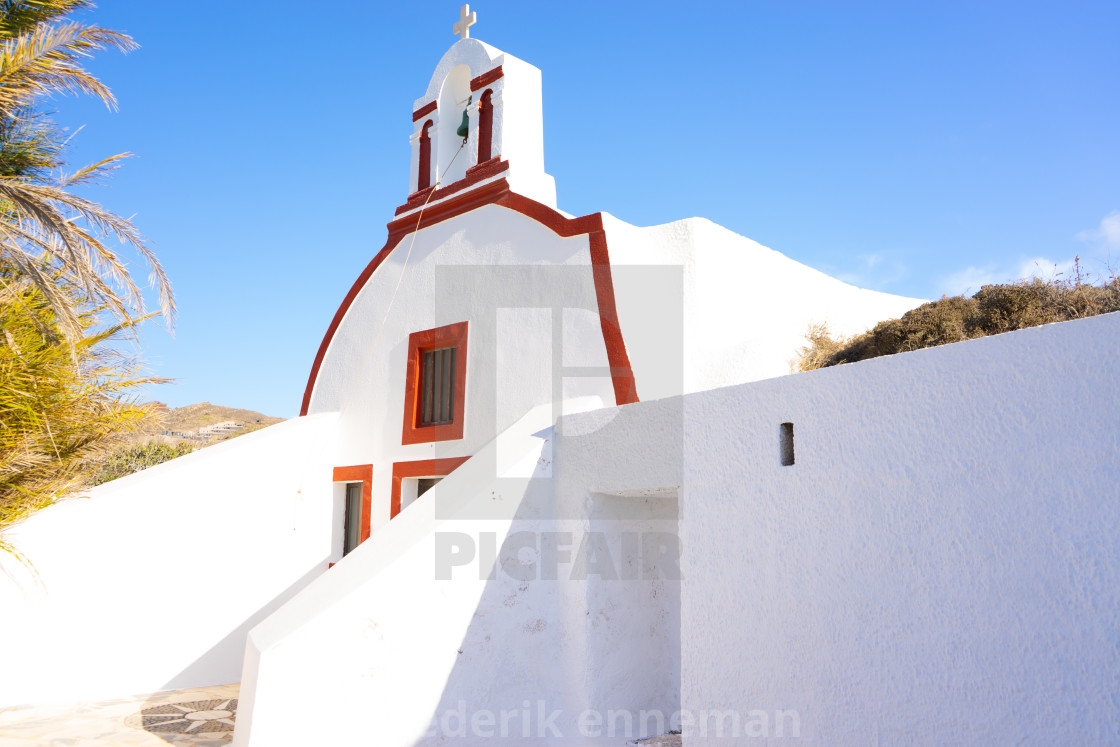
column 466, row 20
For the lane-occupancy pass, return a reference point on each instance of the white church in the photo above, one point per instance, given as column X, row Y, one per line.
column 552, row 483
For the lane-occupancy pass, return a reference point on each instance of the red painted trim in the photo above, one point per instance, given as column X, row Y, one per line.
column 485, row 128
column 424, row 167
column 418, row 342
column 420, row 468
column 474, row 175
column 441, row 211
column 423, row 111
column 486, row 78
column 498, row 193
column 417, row 198
column 491, row 166
column 360, row 473
column 622, row 375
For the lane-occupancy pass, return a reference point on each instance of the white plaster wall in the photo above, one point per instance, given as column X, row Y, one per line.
column 153, row 581
column 510, row 260
column 519, row 130
column 941, row 565
column 390, row 646
column 745, row 308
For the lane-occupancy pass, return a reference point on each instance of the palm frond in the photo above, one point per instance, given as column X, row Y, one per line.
column 20, row 16
column 45, row 60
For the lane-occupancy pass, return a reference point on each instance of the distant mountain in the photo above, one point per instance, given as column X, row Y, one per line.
column 193, row 417
column 203, row 423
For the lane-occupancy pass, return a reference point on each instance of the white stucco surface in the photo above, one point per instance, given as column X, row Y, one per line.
column 743, row 309
column 153, row 581
column 941, row 565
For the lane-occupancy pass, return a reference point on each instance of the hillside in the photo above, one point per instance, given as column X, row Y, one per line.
column 193, row 417
column 196, row 423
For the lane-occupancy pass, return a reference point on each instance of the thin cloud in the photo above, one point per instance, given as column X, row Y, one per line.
column 875, row 272
column 1107, row 233
column 970, row 279
column 1045, row 269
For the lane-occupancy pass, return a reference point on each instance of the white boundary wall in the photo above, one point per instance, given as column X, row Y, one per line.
column 153, row 581
column 941, row 565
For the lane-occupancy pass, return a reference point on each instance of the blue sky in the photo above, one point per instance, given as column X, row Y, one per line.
column 913, row 148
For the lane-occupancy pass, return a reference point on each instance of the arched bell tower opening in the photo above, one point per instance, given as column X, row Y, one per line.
column 485, row 125
column 454, row 98
column 424, row 172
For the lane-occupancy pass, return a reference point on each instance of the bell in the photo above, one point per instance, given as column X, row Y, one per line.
column 465, row 127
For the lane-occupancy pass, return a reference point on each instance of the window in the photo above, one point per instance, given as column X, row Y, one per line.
column 424, row 484
column 413, row 479
column 352, row 526
column 354, row 517
column 435, row 385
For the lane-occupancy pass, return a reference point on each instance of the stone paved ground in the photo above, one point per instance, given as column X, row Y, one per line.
column 201, row 717
column 666, row 740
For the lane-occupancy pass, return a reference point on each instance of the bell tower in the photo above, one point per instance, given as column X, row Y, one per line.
column 479, row 120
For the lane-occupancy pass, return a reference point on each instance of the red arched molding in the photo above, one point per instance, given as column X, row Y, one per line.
column 498, row 193
column 424, row 173
column 485, row 126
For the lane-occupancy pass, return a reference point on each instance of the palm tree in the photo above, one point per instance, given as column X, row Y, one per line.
column 67, row 393
column 48, row 234
column 64, row 405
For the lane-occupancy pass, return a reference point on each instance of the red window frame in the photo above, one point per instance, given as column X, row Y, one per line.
column 362, row 473
column 452, row 335
column 419, row 468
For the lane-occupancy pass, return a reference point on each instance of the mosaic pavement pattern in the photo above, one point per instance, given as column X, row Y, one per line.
column 672, row 739
column 200, row 717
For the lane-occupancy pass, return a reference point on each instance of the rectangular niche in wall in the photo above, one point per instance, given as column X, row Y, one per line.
column 785, row 443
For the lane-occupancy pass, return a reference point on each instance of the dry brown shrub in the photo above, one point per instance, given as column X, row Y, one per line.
column 992, row 310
